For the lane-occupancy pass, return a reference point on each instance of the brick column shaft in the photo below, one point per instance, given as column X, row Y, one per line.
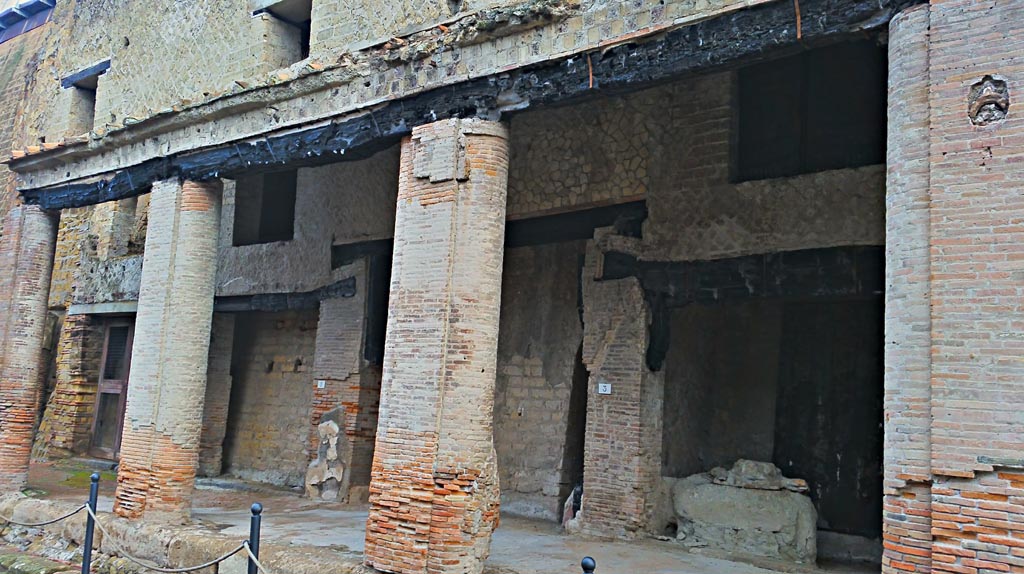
column 26, row 260
column 434, row 490
column 906, row 520
column 167, row 384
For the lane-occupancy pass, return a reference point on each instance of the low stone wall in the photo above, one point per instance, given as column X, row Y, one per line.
column 167, row 546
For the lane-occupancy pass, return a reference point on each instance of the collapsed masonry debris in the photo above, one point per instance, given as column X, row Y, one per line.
column 327, row 476
column 749, row 509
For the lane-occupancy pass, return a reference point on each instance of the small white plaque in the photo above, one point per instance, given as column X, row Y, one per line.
column 321, row 384
column 604, row 388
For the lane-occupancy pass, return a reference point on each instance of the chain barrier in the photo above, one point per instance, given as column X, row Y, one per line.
column 148, row 566
column 38, row 524
column 250, row 546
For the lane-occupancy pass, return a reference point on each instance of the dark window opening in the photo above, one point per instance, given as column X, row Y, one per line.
column 265, row 208
column 298, row 15
column 819, row 110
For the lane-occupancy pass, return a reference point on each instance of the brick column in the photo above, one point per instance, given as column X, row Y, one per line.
column 26, row 260
column 167, row 384
column 434, row 490
column 906, row 519
column 622, row 449
column 977, row 292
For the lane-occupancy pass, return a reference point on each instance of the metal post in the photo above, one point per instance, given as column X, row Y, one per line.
column 94, row 493
column 254, row 535
column 588, row 565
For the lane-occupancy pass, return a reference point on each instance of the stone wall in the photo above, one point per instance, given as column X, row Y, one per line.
column 271, row 397
column 346, row 202
column 539, row 337
column 17, row 62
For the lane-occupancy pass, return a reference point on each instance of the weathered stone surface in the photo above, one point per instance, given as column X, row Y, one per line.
column 326, row 477
column 758, row 475
column 771, row 523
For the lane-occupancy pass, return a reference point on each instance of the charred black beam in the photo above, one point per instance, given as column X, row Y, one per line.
column 731, row 39
column 835, row 272
column 627, row 218
column 826, row 272
column 271, row 302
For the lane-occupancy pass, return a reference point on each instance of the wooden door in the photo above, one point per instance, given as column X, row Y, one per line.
column 112, row 391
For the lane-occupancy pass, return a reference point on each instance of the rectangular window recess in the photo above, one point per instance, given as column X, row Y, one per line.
column 295, row 13
column 87, row 78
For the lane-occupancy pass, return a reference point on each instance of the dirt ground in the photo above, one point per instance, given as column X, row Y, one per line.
column 523, row 546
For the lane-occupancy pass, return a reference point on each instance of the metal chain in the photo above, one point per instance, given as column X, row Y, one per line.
column 36, row 524
column 129, row 557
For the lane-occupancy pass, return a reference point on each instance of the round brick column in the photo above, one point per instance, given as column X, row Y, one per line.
column 167, row 384
column 434, row 490
column 907, row 521
column 26, row 260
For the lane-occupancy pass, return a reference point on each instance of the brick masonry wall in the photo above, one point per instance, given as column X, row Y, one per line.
column 272, row 402
column 218, row 395
column 351, row 385
column 434, row 490
column 167, row 384
column 26, row 258
column 17, row 62
column 622, row 454
column 907, row 452
column 538, row 342
column 67, row 421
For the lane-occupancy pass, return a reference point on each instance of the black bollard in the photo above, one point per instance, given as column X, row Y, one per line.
column 254, row 535
column 90, row 524
column 588, row 565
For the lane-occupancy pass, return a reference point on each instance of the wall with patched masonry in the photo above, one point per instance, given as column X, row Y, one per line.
column 539, row 337
column 271, row 397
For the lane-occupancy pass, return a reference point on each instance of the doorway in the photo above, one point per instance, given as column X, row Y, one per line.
column 112, row 389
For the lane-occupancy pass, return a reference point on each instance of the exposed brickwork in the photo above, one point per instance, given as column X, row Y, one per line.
column 978, row 524
column 67, row 421
column 167, row 384
column 26, row 258
column 272, row 402
column 906, row 518
column 349, row 383
column 218, row 395
column 434, row 492
column 622, row 455
column 949, row 507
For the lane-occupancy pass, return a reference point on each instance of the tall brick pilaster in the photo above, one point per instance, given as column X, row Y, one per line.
column 434, row 490
column 167, row 384
column 622, row 449
column 26, row 260
column 906, row 519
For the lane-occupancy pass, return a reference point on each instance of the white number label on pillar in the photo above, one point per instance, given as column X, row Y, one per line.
column 321, row 384
column 604, row 388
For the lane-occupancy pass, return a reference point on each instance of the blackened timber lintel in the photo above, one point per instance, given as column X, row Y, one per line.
column 730, row 39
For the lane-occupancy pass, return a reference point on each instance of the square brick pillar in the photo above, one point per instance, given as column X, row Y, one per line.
column 434, row 490
column 26, row 261
column 167, row 384
column 622, row 448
